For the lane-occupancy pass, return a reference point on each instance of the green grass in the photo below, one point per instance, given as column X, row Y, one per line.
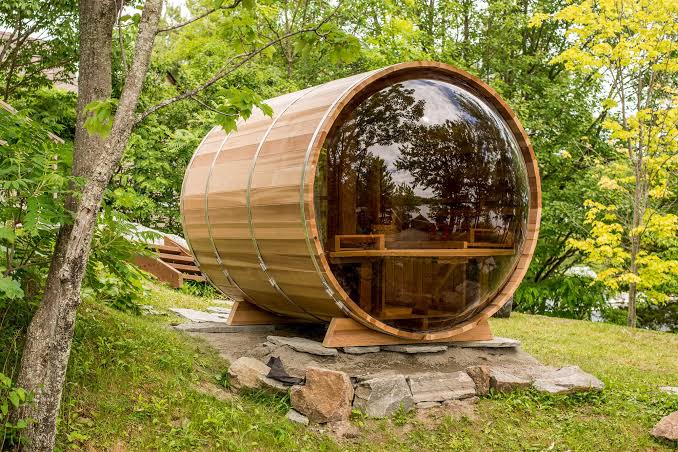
column 135, row 384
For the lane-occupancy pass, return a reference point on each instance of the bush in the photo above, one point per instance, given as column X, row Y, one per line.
column 573, row 297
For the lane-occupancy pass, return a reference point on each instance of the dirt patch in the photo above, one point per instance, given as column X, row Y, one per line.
column 235, row 345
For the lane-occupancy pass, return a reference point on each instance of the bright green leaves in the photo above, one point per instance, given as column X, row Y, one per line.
column 10, row 288
column 34, row 182
column 333, row 44
column 100, row 117
column 11, row 398
column 239, row 102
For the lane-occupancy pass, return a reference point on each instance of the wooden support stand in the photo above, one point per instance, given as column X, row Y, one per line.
column 345, row 332
column 245, row 313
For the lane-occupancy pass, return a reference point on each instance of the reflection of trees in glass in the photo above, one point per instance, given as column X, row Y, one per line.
column 422, row 162
column 380, row 120
column 469, row 164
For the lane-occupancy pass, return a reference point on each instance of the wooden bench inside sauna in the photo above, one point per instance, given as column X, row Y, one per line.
column 399, row 205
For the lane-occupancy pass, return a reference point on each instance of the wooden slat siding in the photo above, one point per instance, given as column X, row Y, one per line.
column 228, row 209
column 286, row 237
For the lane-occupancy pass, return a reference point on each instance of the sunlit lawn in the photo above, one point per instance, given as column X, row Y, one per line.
column 135, row 384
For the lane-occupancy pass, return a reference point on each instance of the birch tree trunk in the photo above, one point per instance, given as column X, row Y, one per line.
column 50, row 333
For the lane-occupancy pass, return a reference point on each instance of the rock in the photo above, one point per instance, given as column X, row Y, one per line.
column 249, row 373
column 343, row 429
column 669, row 389
column 273, row 386
column 325, row 397
column 504, row 381
column 297, row 417
column 481, row 377
column 495, row 342
column 437, row 387
column 382, row 395
column 567, row 380
column 222, row 327
column 427, row 405
column 414, row 348
column 200, row 316
column 385, row 373
column 219, row 310
column 361, row 350
column 667, row 428
column 303, row 345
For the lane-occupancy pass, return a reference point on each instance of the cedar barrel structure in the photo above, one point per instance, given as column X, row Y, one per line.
column 406, row 198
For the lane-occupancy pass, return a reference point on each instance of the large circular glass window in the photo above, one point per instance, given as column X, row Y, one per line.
column 421, row 198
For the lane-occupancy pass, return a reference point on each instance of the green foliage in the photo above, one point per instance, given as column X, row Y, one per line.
column 199, row 289
column 11, row 398
column 39, row 45
column 561, row 296
column 34, row 184
column 35, row 188
column 239, row 103
column 100, row 117
column 111, row 277
column 632, row 220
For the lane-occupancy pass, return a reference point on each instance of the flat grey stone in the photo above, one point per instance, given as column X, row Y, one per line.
column 219, row 310
column 567, row 380
column 414, row 348
column 303, row 345
column 669, row 389
column 221, row 327
column 382, row 396
column 504, row 381
column 437, row 386
column 427, row 405
column 199, row 316
column 361, row 350
column 495, row 342
column 295, row 416
column 385, row 373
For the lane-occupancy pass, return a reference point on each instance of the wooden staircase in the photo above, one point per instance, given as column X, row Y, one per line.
column 172, row 264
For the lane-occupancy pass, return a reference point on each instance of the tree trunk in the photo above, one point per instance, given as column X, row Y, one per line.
column 49, row 336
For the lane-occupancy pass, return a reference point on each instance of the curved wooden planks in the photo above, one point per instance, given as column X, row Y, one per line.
column 248, row 212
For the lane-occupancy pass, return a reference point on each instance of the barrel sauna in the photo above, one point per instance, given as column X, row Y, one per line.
column 406, row 199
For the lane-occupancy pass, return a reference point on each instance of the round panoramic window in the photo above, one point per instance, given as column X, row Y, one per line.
column 421, row 201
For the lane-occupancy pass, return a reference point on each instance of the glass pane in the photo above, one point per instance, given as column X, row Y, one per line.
column 421, row 202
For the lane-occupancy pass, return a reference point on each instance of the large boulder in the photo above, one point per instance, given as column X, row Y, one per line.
column 326, row 396
column 567, row 380
column 667, row 428
column 382, row 396
column 437, row 387
column 250, row 373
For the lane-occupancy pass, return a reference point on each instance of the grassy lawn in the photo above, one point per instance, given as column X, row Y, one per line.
column 134, row 384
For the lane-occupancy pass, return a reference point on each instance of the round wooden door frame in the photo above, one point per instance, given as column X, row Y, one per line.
column 331, row 284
